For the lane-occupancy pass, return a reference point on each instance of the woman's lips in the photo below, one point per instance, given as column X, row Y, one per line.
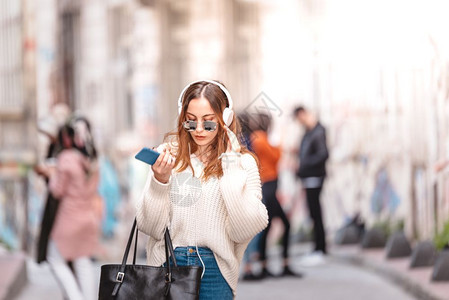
column 200, row 137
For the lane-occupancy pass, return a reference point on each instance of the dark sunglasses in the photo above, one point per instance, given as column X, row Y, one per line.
column 207, row 125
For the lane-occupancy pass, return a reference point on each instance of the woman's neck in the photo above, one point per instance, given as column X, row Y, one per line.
column 203, row 153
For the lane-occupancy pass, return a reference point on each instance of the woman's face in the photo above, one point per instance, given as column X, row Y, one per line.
column 199, row 110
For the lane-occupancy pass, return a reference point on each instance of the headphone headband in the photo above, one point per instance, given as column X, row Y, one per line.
column 225, row 91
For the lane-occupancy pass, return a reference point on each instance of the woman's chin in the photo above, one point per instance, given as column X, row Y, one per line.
column 202, row 142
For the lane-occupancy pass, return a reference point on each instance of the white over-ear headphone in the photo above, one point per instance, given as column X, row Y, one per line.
column 228, row 113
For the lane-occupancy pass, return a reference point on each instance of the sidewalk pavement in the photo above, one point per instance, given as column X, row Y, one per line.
column 417, row 281
column 13, row 273
column 335, row 280
column 334, row 276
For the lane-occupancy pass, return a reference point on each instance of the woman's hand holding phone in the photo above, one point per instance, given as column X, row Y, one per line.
column 163, row 166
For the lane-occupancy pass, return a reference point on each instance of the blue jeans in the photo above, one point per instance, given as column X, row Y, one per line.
column 213, row 285
column 253, row 248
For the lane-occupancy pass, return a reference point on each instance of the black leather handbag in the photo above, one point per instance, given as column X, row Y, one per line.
column 147, row 282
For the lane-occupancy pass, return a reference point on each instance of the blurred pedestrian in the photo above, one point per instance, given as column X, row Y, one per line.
column 50, row 129
column 84, row 141
column 206, row 187
column 252, row 252
column 313, row 154
column 75, row 234
column 49, row 126
column 83, row 136
column 269, row 157
column 246, row 130
column 109, row 195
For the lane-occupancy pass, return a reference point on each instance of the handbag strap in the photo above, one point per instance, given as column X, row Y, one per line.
column 169, row 248
column 121, row 272
column 135, row 247
column 169, row 252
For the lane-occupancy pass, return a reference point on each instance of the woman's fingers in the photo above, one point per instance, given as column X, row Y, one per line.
column 164, row 162
column 159, row 160
column 163, row 166
column 171, row 159
column 166, row 158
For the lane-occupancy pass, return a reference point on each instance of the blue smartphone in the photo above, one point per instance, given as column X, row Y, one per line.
column 147, row 155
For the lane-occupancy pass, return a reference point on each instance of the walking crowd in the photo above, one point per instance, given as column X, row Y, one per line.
column 311, row 155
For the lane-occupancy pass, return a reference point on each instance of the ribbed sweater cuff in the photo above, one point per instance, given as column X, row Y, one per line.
column 157, row 184
column 159, row 190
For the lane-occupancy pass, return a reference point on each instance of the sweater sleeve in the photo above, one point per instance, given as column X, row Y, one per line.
column 242, row 193
column 153, row 207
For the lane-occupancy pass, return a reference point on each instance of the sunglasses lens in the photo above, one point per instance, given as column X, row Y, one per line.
column 190, row 125
column 210, row 125
column 207, row 125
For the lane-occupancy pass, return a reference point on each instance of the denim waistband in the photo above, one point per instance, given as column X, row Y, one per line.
column 191, row 251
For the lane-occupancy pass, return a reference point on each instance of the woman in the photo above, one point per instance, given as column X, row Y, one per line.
column 75, row 234
column 205, row 186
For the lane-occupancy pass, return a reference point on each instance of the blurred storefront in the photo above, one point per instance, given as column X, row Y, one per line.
column 17, row 129
column 103, row 59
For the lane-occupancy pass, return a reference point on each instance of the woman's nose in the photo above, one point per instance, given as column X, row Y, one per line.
column 199, row 127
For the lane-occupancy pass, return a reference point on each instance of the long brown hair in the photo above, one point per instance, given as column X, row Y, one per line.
column 186, row 145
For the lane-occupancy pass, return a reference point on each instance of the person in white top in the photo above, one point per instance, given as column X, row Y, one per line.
column 205, row 186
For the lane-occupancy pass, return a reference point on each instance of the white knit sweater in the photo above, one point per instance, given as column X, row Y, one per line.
column 221, row 214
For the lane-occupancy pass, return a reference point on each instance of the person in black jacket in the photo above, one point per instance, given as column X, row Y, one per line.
column 313, row 154
column 51, row 130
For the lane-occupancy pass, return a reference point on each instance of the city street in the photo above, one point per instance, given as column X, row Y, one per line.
column 333, row 137
column 333, row 280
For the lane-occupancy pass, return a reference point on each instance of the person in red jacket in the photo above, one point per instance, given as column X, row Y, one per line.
column 269, row 156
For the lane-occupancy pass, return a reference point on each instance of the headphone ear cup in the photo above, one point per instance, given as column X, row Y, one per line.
column 228, row 115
